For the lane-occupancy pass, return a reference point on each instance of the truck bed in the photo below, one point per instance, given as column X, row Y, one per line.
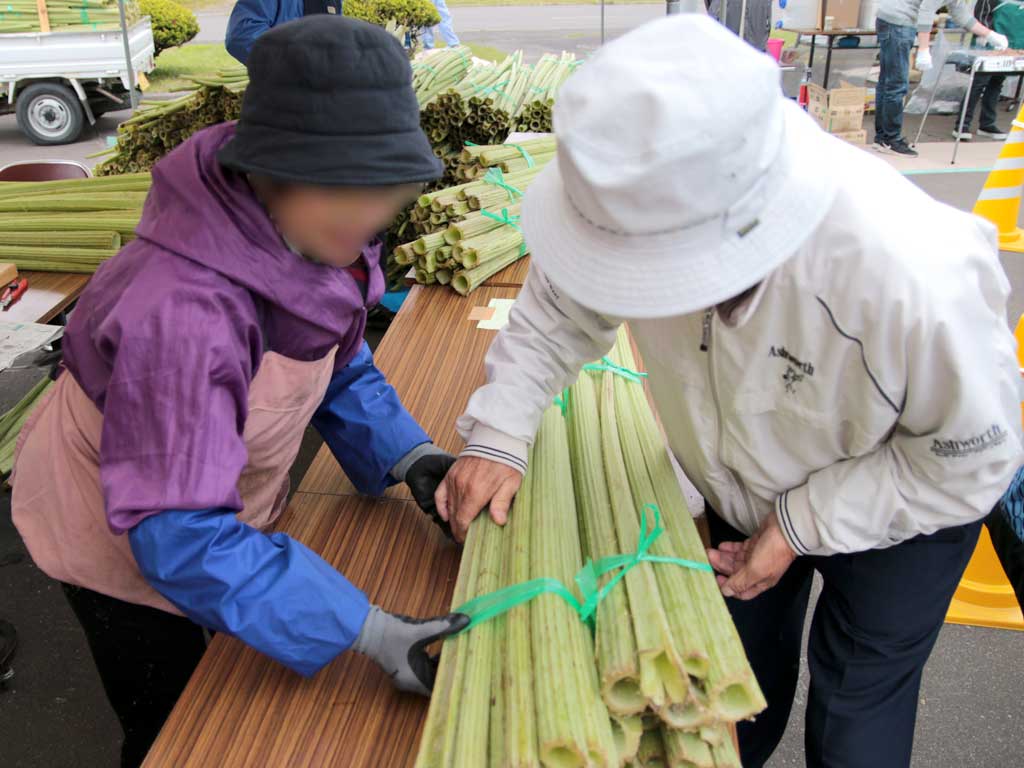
column 92, row 55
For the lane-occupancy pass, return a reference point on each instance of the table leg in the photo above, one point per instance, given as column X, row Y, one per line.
column 928, row 109
column 810, row 61
column 1015, row 105
column 828, row 60
column 963, row 114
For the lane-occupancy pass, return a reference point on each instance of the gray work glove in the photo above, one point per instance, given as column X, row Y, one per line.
column 423, row 469
column 399, row 645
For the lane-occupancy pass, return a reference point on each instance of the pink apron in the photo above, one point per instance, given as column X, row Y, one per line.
column 58, row 502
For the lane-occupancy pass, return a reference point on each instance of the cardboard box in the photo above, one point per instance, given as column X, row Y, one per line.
column 845, row 13
column 8, row 274
column 840, row 110
column 854, row 137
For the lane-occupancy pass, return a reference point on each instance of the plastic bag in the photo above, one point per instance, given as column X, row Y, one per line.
column 952, row 84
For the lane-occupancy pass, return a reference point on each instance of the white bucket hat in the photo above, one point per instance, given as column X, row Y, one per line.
column 683, row 174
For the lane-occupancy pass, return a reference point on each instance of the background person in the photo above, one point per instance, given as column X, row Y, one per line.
column 898, row 23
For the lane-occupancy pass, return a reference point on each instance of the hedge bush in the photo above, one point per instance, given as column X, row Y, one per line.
column 414, row 15
column 173, row 24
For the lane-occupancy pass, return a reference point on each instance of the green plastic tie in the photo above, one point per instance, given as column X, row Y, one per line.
column 526, row 155
column 562, row 401
column 510, row 221
column 607, row 364
column 495, row 177
column 486, row 607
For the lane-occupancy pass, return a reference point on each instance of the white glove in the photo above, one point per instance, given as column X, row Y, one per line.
column 997, row 41
column 923, row 62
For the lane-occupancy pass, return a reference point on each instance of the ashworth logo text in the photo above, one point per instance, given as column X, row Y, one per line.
column 954, row 449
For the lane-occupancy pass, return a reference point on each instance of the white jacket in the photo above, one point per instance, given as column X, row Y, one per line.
column 867, row 392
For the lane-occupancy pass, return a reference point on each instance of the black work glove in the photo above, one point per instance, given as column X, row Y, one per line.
column 423, row 477
column 399, row 645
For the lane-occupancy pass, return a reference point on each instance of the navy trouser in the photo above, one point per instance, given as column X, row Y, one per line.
column 895, row 43
column 873, row 629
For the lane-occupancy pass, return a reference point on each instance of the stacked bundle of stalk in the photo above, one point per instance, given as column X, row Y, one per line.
column 470, row 232
column 161, row 126
column 12, row 422
column 522, row 690
column 534, row 113
column 69, row 226
column 443, row 69
column 64, row 15
column 665, row 668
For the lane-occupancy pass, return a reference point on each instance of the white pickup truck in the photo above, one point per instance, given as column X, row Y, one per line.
column 56, row 81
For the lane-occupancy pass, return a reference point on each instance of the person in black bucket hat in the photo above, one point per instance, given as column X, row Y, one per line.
column 331, row 102
column 200, row 354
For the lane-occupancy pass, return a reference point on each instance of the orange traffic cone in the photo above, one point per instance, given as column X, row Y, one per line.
column 985, row 597
column 999, row 201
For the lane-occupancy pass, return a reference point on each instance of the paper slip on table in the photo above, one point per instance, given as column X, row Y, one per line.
column 48, row 294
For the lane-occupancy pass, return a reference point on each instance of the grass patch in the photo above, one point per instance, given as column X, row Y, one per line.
column 207, row 5
column 174, row 65
column 457, row 3
column 485, row 52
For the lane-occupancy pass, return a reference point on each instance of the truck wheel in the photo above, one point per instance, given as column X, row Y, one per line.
column 50, row 113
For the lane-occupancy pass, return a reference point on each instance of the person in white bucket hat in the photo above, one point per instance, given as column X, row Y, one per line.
column 834, row 372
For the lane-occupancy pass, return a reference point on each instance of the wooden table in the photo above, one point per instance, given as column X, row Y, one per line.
column 242, row 709
column 831, row 36
column 48, row 294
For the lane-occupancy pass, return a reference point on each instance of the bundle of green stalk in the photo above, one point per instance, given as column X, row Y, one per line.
column 664, row 671
column 160, row 126
column 12, row 422
column 491, row 102
column 534, row 113
column 471, row 231
column 64, row 15
column 69, row 226
column 522, row 689
column 442, row 69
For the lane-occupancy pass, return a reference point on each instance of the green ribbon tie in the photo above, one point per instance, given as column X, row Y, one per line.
column 496, row 603
column 589, row 576
column 607, row 364
column 526, row 155
column 510, row 221
column 497, row 178
column 562, row 401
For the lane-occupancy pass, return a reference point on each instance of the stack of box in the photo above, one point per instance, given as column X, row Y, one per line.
column 840, row 111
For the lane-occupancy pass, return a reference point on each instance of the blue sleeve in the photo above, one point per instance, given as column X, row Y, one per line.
column 249, row 19
column 365, row 424
column 269, row 591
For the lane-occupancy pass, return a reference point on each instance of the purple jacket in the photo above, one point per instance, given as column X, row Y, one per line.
column 169, row 333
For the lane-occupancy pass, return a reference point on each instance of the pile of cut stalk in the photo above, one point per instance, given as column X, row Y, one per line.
column 69, row 226
column 461, row 99
column 65, row 15
column 160, row 126
column 471, row 231
column 489, row 102
column 662, row 676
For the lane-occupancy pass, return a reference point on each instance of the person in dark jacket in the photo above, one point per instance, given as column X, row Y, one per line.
column 987, row 87
column 251, row 18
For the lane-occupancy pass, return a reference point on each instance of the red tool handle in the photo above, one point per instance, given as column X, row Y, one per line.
column 19, row 291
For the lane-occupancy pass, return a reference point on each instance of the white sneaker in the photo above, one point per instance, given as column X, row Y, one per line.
column 995, row 135
column 963, row 135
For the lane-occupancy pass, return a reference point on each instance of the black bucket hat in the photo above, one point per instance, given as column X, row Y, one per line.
column 330, row 101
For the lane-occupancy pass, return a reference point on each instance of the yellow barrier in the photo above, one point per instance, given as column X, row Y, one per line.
column 985, row 597
column 999, row 201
